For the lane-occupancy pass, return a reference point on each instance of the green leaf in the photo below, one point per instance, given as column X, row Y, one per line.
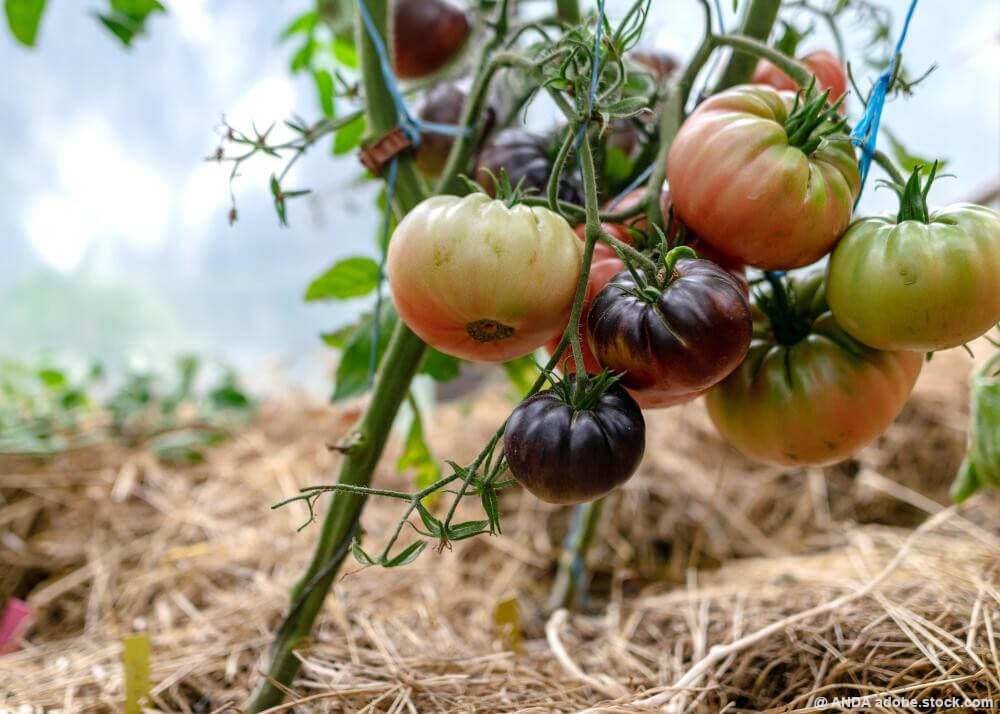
column 324, row 86
column 491, row 505
column 407, row 556
column 52, row 378
column 432, row 524
column 907, row 162
column 352, row 378
column 439, row 366
column 185, row 447
column 360, row 555
column 344, row 52
column 348, row 137
column 348, row 278
column 522, row 372
column 338, row 338
column 127, row 18
column 303, row 56
column 306, row 22
column 23, row 18
column 982, row 462
column 461, row 531
column 417, row 456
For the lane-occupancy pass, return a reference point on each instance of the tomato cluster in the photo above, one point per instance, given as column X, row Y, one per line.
column 804, row 369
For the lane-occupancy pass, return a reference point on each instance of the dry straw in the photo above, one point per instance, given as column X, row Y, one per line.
column 718, row 585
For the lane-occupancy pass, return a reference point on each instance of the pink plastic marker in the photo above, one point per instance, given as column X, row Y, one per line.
column 13, row 624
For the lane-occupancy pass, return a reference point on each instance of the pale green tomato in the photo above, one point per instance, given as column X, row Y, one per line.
column 918, row 286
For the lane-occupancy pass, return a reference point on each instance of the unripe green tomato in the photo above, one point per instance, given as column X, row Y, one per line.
column 483, row 281
column 918, row 286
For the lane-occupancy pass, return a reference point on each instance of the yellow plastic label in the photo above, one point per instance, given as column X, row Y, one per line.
column 507, row 618
column 135, row 660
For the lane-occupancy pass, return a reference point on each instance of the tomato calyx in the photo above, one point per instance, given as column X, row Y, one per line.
column 789, row 323
column 810, row 112
column 585, row 395
column 503, row 190
column 650, row 291
column 913, row 195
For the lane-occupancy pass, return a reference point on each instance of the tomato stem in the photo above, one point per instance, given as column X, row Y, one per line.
column 788, row 323
column 913, row 195
column 758, row 19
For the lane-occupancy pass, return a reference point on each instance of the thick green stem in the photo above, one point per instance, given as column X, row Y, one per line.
column 569, row 583
column 399, row 365
column 568, row 11
column 758, row 19
column 670, row 122
column 758, row 50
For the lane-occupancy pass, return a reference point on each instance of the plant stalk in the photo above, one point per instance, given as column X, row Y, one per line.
column 399, row 365
column 569, row 587
column 568, row 11
column 758, row 19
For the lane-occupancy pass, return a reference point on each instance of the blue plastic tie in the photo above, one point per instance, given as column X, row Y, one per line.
column 411, row 126
column 865, row 134
column 592, row 94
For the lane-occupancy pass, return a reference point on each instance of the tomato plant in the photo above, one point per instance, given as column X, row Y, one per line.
column 567, row 447
column 765, row 180
column 481, row 280
column 920, row 280
column 676, row 338
column 427, row 35
column 808, row 393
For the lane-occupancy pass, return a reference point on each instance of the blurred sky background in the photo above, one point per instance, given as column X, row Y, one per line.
column 114, row 241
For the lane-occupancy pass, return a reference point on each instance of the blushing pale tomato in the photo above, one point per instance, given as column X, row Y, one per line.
column 808, row 393
column 742, row 187
column 482, row 281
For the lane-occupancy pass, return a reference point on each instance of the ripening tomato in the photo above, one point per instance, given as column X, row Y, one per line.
column 757, row 195
column 480, row 280
column 808, row 393
column 442, row 104
column 920, row 283
column 827, row 67
column 572, row 454
column 677, row 340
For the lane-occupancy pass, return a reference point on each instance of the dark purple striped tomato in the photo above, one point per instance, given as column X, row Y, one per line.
column 427, row 35
column 566, row 455
column 689, row 338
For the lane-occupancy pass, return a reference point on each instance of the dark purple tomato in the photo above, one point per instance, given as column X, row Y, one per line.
column 522, row 155
column 565, row 455
column 687, row 339
column 427, row 35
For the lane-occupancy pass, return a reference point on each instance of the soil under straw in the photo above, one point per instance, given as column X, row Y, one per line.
column 701, row 549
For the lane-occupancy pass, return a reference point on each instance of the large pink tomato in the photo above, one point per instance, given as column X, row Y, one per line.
column 751, row 182
column 483, row 281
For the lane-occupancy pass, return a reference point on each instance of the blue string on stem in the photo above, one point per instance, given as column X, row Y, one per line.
column 412, row 127
column 865, row 133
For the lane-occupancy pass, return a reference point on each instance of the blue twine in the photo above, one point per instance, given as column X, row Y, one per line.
column 390, row 188
column 410, row 125
column 592, row 94
column 865, row 134
column 639, row 180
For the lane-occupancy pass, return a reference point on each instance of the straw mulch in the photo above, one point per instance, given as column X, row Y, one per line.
column 844, row 581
